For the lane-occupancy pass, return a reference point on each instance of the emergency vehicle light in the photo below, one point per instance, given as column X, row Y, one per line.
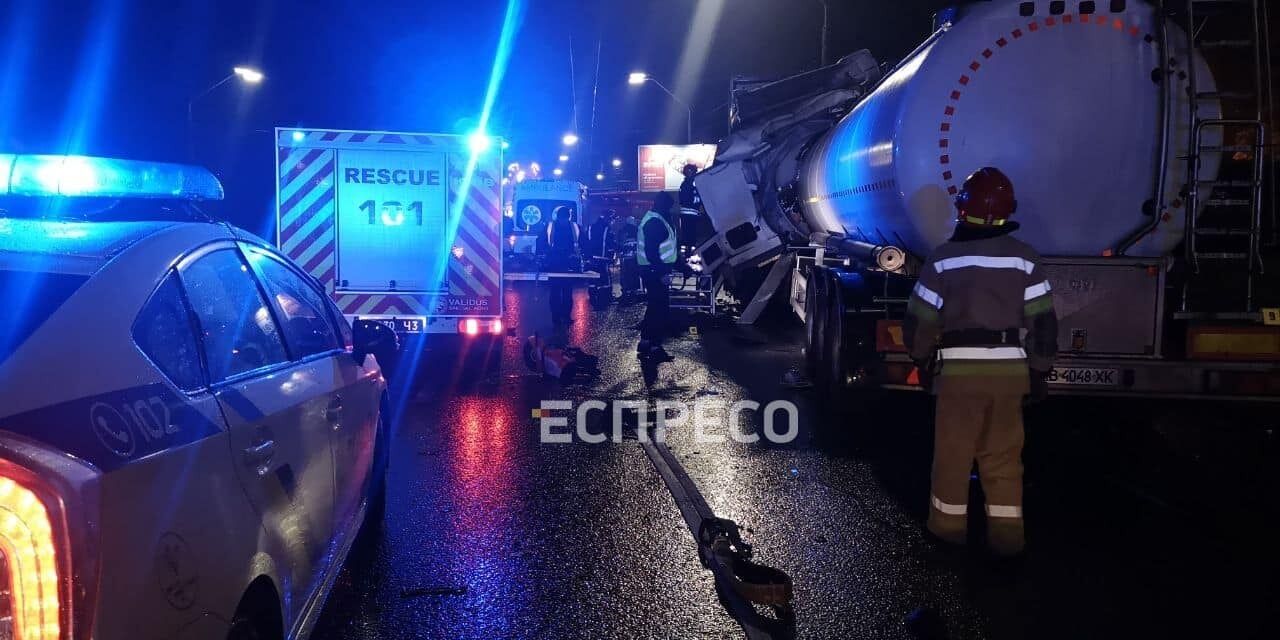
column 84, row 176
column 473, row 327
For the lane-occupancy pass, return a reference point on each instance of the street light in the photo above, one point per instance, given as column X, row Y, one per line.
column 599, row 177
column 570, row 139
column 250, row 76
column 247, row 75
column 558, row 172
column 826, row 28
column 564, row 157
column 617, row 162
column 639, row 77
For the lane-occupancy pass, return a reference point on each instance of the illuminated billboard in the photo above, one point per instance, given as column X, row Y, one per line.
column 660, row 164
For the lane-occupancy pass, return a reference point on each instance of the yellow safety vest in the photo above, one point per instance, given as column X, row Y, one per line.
column 667, row 249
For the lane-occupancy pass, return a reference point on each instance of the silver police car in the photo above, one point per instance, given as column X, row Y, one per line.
column 189, row 440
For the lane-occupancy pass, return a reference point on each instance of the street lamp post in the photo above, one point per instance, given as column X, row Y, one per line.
column 246, row 74
column 826, row 28
column 639, row 77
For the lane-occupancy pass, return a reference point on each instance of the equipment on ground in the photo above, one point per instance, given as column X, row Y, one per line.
column 1139, row 169
column 567, row 364
column 723, row 552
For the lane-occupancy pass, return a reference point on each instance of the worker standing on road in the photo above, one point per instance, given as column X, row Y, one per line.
column 595, row 246
column 975, row 296
column 656, row 254
column 562, row 253
column 626, row 235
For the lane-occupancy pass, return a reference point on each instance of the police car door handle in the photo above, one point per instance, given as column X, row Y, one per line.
column 260, row 455
column 334, row 413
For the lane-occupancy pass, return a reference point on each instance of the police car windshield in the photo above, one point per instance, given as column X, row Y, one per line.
column 30, row 298
column 96, row 209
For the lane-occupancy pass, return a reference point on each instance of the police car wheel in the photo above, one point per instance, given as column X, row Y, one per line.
column 245, row 629
column 378, row 482
column 258, row 615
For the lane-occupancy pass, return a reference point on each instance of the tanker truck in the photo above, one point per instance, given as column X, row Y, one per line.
column 1137, row 151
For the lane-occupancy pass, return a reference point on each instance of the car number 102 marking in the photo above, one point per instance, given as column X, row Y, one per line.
column 116, row 423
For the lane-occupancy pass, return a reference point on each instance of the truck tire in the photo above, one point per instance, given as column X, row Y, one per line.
column 814, row 320
column 834, row 337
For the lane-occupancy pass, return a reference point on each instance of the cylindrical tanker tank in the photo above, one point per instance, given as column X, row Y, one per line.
column 1067, row 105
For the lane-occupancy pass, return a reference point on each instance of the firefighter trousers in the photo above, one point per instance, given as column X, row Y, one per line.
column 986, row 427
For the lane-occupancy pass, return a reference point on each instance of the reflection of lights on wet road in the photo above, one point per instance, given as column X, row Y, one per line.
column 481, row 490
column 581, row 313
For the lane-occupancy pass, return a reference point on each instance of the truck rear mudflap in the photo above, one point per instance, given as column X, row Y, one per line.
column 1217, row 380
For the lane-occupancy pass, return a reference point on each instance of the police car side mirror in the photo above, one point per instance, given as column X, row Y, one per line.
column 373, row 337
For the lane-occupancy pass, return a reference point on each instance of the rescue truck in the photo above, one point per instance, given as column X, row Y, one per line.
column 1138, row 151
column 402, row 228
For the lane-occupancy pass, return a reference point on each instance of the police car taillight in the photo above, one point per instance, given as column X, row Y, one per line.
column 33, row 559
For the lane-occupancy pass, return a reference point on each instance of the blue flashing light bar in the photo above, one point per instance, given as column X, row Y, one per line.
column 87, row 177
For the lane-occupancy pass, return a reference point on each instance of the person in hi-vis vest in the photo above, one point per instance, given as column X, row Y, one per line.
column 656, row 255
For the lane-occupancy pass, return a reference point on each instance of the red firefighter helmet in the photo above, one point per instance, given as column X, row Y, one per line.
column 986, row 199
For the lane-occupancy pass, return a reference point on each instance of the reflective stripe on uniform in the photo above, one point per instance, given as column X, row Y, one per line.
column 1003, row 511
column 928, row 295
column 1035, row 291
column 984, row 262
column 949, row 509
column 982, row 353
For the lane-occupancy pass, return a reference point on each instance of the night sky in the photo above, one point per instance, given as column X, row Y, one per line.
column 113, row 77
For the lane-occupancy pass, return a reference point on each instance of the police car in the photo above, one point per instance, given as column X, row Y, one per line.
column 189, row 441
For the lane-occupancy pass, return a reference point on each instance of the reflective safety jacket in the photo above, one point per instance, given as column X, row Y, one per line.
column 983, row 303
column 664, row 242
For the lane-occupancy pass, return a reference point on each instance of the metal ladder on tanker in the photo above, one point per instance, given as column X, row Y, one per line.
column 1225, row 239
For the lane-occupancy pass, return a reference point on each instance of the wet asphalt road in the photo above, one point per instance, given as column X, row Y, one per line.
column 1144, row 519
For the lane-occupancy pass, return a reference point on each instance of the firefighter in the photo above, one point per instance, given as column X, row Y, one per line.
column 656, row 254
column 595, row 247
column 975, row 297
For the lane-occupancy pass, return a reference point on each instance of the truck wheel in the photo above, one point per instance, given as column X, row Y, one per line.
column 834, row 343
column 814, row 320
